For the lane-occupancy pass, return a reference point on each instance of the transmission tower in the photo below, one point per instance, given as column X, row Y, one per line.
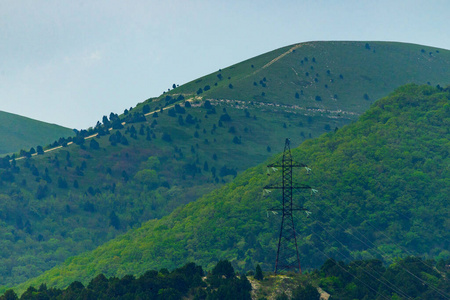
column 287, row 254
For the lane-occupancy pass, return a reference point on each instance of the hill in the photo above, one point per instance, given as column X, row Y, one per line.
column 171, row 150
column 383, row 185
column 19, row 132
column 334, row 76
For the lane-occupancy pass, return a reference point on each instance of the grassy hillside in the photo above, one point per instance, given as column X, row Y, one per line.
column 346, row 76
column 383, row 185
column 171, row 150
column 17, row 132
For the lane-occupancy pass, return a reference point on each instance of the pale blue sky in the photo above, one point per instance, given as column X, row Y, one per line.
column 71, row 62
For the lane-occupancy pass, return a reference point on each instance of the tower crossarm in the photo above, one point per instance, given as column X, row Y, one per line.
column 294, row 165
column 280, row 208
column 275, row 187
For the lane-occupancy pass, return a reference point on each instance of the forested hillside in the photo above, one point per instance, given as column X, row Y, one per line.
column 383, row 184
column 17, row 132
column 171, row 150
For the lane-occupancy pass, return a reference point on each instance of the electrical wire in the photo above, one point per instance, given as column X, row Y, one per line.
column 389, row 284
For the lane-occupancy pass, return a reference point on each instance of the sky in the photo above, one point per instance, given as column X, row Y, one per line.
column 72, row 62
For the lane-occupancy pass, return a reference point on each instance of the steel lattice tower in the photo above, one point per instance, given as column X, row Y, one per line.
column 287, row 254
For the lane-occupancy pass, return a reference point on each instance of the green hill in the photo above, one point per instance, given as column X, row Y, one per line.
column 345, row 76
column 18, row 133
column 171, row 150
column 383, row 185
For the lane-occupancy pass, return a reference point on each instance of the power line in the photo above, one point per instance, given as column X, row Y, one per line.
column 378, row 251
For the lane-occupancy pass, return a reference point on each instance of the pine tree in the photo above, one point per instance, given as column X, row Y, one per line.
column 258, row 273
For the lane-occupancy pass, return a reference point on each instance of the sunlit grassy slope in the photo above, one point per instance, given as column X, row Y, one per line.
column 345, row 75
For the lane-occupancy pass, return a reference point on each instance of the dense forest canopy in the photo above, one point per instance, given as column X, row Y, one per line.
column 383, row 184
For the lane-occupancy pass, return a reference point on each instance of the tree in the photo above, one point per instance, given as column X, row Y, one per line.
column 114, row 220
column 225, row 117
column 180, row 120
column 172, row 113
column 223, row 269
column 148, row 177
column 79, row 140
column 166, row 137
column 125, row 176
column 258, row 273
column 94, row 144
column 305, row 293
column 179, row 109
column 9, row 295
column 123, row 140
column 41, row 191
column 207, row 104
column 62, row 183
column 105, row 121
column 117, row 124
column 39, row 150
column 190, row 119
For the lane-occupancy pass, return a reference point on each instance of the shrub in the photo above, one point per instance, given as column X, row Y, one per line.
column 207, row 104
column 166, row 137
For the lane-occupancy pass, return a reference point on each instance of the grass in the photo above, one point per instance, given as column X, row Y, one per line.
column 18, row 132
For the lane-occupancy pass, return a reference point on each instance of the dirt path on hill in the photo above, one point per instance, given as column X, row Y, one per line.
column 282, row 55
column 94, row 135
